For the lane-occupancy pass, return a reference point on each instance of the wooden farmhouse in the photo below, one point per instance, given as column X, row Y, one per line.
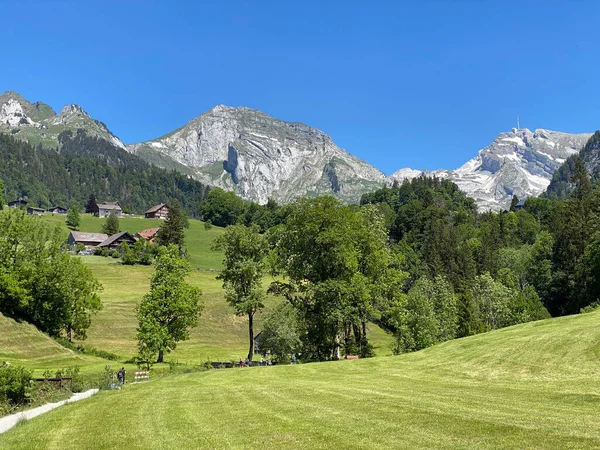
column 35, row 211
column 17, row 204
column 157, row 212
column 57, row 210
column 148, row 234
column 90, row 240
column 104, row 209
column 113, row 242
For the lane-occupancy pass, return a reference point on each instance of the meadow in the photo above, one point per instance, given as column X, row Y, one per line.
column 219, row 336
column 534, row 385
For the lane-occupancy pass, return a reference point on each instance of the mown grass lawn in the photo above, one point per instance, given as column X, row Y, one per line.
column 535, row 385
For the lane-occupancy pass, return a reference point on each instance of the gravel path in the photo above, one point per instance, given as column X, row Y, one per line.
column 7, row 422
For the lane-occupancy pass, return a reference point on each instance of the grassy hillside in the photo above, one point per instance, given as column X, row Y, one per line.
column 198, row 240
column 23, row 344
column 220, row 335
column 529, row 386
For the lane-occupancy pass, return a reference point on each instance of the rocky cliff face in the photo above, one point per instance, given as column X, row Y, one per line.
column 38, row 123
column 520, row 162
column 260, row 157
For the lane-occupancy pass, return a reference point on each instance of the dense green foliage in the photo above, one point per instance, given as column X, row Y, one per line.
column 166, row 314
column 87, row 165
column 243, row 270
column 339, row 274
column 39, row 282
column 281, row 331
column 111, row 224
column 73, row 218
column 225, row 208
column 562, row 184
column 172, row 230
column 16, row 384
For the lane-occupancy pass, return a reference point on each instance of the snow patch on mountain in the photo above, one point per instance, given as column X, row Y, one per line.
column 520, row 162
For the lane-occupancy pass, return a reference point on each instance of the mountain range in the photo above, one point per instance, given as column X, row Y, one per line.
column 259, row 157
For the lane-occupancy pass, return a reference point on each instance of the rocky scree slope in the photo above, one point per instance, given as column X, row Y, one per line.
column 37, row 123
column 260, row 157
column 520, row 162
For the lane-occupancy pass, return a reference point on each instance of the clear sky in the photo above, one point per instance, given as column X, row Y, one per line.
column 421, row 84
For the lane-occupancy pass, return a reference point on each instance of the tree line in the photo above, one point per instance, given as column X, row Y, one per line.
column 84, row 165
column 416, row 258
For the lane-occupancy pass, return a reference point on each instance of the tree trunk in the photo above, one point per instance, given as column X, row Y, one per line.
column 251, row 335
column 161, row 356
column 336, row 348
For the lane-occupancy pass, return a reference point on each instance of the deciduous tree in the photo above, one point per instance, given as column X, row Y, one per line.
column 171, row 308
column 73, row 218
column 111, row 224
column 244, row 266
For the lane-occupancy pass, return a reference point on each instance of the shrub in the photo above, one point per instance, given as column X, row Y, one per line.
column 108, row 378
column 591, row 307
column 16, row 384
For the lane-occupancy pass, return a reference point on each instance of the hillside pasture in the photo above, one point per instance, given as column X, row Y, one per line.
column 220, row 335
column 198, row 239
column 528, row 386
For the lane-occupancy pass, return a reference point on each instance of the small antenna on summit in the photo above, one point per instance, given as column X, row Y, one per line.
column 518, row 124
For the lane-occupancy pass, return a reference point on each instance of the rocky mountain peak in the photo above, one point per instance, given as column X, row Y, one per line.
column 39, row 124
column 73, row 109
column 517, row 162
column 261, row 157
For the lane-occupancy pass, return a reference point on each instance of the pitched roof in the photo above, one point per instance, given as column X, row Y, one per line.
column 82, row 236
column 155, row 208
column 109, row 205
column 148, row 234
column 111, row 239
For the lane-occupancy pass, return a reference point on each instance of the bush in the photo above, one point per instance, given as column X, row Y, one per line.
column 16, row 384
column 108, row 378
column 591, row 307
column 208, row 225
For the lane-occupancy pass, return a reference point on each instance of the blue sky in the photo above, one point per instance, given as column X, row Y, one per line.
column 421, row 84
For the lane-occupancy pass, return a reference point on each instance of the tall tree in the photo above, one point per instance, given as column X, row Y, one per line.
column 171, row 308
column 172, row 230
column 91, row 206
column 244, row 266
column 39, row 282
column 73, row 218
column 111, row 224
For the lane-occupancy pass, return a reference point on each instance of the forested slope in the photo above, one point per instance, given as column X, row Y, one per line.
column 87, row 165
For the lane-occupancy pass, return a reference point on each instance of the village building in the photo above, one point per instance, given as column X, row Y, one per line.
column 157, row 212
column 114, row 242
column 35, row 211
column 57, row 210
column 17, row 204
column 90, row 240
column 104, row 209
column 148, row 234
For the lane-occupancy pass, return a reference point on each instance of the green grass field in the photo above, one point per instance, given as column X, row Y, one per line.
column 198, row 239
column 220, row 335
column 535, row 385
